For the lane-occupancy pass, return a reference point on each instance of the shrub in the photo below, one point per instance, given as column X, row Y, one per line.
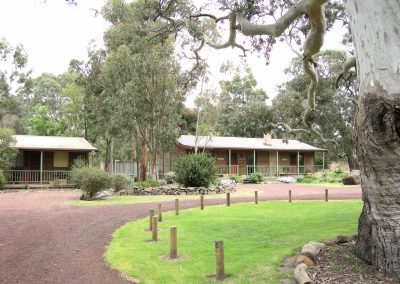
column 92, row 180
column 195, row 170
column 150, row 182
column 307, row 179
column 170, row 177
column 2, row 179
column 333, row 177
column 121, row 182
column 236, row 178
column 255, row 178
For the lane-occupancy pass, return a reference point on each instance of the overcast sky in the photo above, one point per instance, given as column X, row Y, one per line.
column 54, row 33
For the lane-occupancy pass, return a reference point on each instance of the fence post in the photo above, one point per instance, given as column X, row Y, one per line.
column 290, row 195
column 173, row 251
column 154, row 231
column 177, row 207
column 202, row 202
column 219, row 260
column 228, row 199
column 326, row 195
column 256, row 197
column 151, row 219
column 159, row 213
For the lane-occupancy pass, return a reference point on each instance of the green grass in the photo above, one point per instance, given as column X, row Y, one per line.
column 134, row 199
column 256, row 240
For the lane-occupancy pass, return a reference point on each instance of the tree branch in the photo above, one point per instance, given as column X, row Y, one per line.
column 346, row 72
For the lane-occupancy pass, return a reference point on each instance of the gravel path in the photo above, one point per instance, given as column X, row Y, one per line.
column 44, row 240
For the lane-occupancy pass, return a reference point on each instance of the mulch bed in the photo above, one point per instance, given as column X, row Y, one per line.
column 338, row 264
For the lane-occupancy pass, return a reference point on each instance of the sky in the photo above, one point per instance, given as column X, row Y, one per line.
column 53, row 33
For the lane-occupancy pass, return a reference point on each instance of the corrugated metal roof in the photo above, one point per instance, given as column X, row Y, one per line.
column 30, row 142
column 241, row 143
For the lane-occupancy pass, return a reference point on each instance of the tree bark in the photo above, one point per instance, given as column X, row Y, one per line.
column 376, row 36
column 143, row 159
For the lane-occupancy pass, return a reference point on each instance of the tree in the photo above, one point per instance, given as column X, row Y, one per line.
column 7, row 151
column 43, row 124
column 336, row 109
column 243, row 107
column 376, row 39
column 14, row 81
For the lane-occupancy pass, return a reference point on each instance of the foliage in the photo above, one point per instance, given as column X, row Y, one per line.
column 326, row 177
column 195, row 170
column 336, row 107
column 42, row 124
column 255, row 178
column 307, row 179
column 150, row 182
column 79, row 164
column 91, row 180
column 2, row 179
column 7, row 151
column 242, row 227
column 236, row 178
column 121, row 182
column 170, row 177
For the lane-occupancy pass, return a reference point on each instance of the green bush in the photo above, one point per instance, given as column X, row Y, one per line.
column 92, row 180
column 255, row 178
column 236, row 178
column 332, row 177
column 150, row 182
column 121, row 182
column 195, row 170
column 170, row 177
column 307, row 179
column 2, row 179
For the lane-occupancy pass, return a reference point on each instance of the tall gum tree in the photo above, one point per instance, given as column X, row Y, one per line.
column 376, row 37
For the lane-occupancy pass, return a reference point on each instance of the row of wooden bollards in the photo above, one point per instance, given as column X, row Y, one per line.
column 219, row 245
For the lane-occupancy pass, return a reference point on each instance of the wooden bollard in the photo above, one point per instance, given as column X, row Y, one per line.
column 219, row 260
column 256, row 197
column 202, row 202
column 176, row 207
column 154, row 234
column 173, row 249
column 326, row 195
column 151, row 219
column 228, row 199
column 159, row 213
column 290, row 195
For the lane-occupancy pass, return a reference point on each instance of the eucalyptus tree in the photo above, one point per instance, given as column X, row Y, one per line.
column 335, row 114
column 143, row 79
column 376, row 38
column 15, row 80
column 243, row 106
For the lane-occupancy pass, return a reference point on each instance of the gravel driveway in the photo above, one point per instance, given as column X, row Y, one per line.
column 44, row 240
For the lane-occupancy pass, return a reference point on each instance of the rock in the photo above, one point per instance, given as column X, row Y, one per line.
column 301, row 275
column 341, row 239
column 304, row 259
column 148, row 190
column 330, row 242
column 351, row 180
column 122, row 192
column 312, row 249
column 102, row 194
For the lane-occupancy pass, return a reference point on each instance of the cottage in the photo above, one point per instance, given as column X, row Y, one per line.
column 42, row 159
column 243, row 156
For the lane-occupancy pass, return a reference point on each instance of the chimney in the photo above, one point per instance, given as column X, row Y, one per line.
column 267, row 139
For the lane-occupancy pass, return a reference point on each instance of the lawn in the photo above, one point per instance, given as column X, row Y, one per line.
column 256, row 239
column 134, row 199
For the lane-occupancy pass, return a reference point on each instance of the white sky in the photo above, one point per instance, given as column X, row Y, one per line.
column 53, row 34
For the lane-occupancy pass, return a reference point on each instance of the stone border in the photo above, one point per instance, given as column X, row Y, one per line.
column 178, row 190
column 308, row 256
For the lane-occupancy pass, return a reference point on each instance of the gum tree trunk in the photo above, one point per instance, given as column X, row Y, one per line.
column 376, row 35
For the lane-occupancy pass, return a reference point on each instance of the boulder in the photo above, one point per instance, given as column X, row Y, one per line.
column 351, row 180
column 301, row 275
column 102, row 194
column 312, row 249
column 304, row 259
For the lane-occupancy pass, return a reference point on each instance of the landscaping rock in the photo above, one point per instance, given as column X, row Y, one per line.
column 102, row 194
column 352, row 179
column 312, row 249
column 178, row 190
column 342, row 239
column 304, row 259
column 300, row 274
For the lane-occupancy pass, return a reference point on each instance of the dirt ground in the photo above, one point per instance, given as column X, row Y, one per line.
column 44, row 240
